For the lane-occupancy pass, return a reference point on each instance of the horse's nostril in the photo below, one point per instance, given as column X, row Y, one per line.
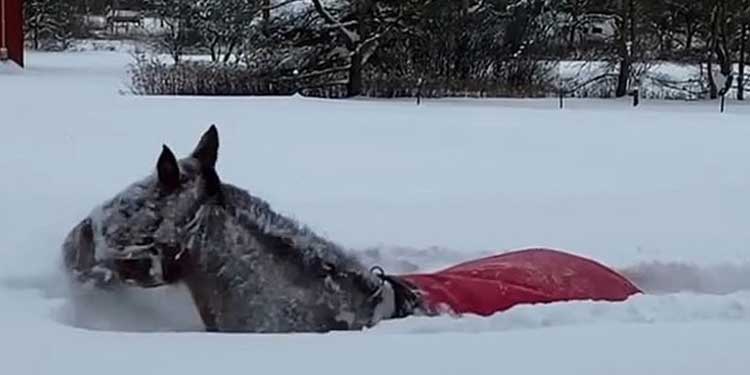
column 169, row 250
column 134, row 269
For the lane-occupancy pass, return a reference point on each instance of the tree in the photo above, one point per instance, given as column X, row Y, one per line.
column 361, row 26
column 744, row 29
column 720, row 20
column 179, row 17
column 625, row 44
column 224, row 25
column 686, row 20
column 49, row 23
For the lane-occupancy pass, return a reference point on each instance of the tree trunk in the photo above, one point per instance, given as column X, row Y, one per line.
column 228, row 53
column 461, row 44
column 721, row 47
column 266, row 5
column 36, row 38
column 627, row 36
column 712, row 92
column 713, row 43
column 354, row 87
column 572, row 33
column 622, row 78
column 689, row 36
column 741, row 74
column 214, row 51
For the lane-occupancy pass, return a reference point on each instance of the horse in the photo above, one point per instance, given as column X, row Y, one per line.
column 247, row 268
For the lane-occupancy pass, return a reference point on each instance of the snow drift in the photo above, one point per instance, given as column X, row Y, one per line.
column 658, row 192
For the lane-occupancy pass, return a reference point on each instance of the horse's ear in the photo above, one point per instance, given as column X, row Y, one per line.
column 167, row 169
column 213, row 185
column 207, row 150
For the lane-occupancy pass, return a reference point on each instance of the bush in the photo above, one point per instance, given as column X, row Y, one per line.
column 154, row 77
column 151, row 76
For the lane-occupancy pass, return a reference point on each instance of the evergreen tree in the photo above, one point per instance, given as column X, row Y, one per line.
column 49, row 23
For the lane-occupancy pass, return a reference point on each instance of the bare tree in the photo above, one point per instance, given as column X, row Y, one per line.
column 223, row 25
column 363, row 24
column 743, row 28
column 179, row 18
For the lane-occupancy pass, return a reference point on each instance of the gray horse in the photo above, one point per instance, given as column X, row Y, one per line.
column 248, row 269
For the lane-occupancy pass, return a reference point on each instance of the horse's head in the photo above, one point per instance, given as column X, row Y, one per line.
column 139, row 236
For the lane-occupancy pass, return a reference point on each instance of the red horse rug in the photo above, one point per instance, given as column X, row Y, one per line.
column 493, row 284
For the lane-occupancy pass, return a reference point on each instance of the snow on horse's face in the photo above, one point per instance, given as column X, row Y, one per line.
column 138, row 236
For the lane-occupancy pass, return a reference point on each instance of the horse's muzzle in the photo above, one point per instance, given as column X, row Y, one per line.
column 160, row 265
column 138, row 271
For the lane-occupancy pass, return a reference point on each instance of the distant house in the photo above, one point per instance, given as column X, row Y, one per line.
column 155, row 25
column 586, row 29
column 92, row 22
column 596, row 28
column 122, row 20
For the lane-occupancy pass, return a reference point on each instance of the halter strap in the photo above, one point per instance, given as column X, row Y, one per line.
column 407, row 299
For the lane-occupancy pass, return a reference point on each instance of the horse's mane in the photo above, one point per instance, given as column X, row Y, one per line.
column 292, row 240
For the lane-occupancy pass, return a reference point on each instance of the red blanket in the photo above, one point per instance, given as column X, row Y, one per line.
column 493, row 284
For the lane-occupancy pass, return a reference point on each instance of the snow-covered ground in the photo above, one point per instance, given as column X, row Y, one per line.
column 659, row 192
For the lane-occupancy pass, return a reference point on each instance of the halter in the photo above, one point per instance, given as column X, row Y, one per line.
column 407, row 298
column 151, row 264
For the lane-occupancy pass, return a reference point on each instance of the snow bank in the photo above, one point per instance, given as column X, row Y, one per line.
column 659, row 192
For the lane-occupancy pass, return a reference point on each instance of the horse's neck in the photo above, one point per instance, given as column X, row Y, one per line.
column 252, row 264
column 290, row 241
column 222, row 248
column 227, row 273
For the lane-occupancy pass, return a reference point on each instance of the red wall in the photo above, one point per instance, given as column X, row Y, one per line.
column 14, row 29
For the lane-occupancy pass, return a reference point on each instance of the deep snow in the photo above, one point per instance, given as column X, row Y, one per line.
column 659, row 192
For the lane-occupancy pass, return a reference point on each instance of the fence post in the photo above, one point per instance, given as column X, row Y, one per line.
column 419, row 91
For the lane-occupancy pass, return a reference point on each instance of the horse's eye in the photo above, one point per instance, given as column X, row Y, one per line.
column 125, row 213
column 145, row 240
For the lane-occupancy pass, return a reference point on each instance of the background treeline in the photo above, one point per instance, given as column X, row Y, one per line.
column 388, row 48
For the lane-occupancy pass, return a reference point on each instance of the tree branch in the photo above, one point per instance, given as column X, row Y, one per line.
column 351, row 36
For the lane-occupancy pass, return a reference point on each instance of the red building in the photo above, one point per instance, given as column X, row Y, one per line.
column 11, row 30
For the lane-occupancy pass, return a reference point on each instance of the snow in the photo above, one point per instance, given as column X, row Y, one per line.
column 659, row 192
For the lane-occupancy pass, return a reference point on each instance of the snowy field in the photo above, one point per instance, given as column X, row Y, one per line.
column 661, row 192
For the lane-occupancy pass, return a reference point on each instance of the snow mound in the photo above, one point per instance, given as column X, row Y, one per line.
column 9, row 67
column 673, row 277
column 675, row 293
column 642, row 309
column 659, row 192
